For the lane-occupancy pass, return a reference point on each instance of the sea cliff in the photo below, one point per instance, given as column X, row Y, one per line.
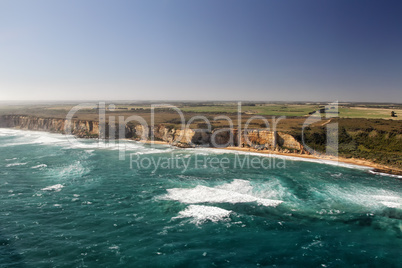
column 80, row 128
column 253, row 139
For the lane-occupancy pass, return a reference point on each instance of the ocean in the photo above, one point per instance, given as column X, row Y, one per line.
column 87, row 204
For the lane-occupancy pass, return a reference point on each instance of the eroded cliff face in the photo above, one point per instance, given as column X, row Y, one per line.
column 80, row 128
column 256, row 139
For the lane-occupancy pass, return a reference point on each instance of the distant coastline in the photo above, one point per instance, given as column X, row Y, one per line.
column 186, row 138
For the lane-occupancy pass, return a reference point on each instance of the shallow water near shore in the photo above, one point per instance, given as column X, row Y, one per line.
column 78, row 205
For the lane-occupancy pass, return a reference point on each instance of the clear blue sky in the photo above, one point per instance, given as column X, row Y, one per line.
column 263, row 50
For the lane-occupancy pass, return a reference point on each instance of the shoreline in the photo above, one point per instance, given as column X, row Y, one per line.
column 373, row 167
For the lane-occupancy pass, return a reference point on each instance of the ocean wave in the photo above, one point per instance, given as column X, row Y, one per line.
column 146, row 151
column 98, row 144
column 391, row 204
column 39, row 166
column 368, row 197
column 201, row 214
column 238, row 191
column 15, row 164
column 56, row 188
column 385, row 174
column 7, row 132
column 28, row 137
column 75, row 170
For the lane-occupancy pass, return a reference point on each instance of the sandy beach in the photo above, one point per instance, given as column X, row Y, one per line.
column 353, row 161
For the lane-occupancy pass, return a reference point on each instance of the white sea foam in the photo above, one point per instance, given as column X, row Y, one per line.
column 385, row 174
column 48, row 138
column 40, row 166
column 369, row 197
column 391, row 200
column 76, row 169
column 391, row 204
column 11, row 159
column 25, row 137
column 201, row 214
column 145, row 151
column 387, row 197
column 56, row 188
column 126, row 145
column 7, row 132
column 15, row 164
column 238, row 191
column 238, row 186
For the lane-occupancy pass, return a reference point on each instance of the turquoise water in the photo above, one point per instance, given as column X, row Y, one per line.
column 78, row 205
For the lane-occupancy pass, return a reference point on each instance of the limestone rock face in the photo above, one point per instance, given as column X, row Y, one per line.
column 191, row 136
column 141, row 132
column 181, row 136
column 164, row 134
column 257, row 139
column 261, row 138
column 289, row 142
column 80, row 128
column 271, row 140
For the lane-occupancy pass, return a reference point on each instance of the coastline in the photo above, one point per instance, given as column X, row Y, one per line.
column 373, row 167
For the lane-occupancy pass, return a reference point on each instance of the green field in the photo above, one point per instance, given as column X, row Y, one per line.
column 369, row 111
column 373, row 113
column 260, row 109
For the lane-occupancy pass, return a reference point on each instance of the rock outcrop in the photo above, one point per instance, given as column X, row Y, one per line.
column 80, row 128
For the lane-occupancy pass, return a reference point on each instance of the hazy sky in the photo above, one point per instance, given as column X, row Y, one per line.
column 262, row 50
